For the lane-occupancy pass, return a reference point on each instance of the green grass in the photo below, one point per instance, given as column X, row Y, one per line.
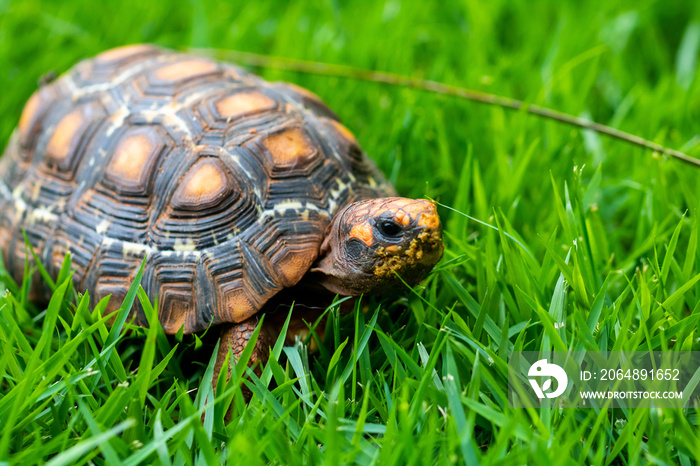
column 607, row 242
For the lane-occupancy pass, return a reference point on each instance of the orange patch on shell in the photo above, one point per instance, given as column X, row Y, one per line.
column 58, row 147
column 178, row 319
column 293, row 264
column 185, row 69
column 237, row 307
column 27, row 117
column 246, row 102
column 130, row 158
column 180, row 311
column 122, row 52
column 205, row 182
column 290, row 147
column 363, row 232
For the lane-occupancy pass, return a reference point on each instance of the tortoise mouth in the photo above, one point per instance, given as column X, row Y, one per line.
column 413, row 260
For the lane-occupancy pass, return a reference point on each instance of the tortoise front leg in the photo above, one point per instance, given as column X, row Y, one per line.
column 234, row 338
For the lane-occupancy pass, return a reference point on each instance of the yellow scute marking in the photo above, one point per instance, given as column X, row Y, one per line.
column 187, row 246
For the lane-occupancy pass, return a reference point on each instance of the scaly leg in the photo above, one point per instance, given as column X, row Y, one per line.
column 234, row 338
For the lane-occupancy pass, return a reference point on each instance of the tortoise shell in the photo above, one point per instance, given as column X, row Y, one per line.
column 226, row 183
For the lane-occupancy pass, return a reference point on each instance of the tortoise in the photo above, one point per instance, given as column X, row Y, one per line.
column 233, row 189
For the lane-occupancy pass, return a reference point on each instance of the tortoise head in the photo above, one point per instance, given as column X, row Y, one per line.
column 369, row 243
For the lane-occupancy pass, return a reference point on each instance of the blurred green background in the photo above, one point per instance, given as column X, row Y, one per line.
column 595, row 218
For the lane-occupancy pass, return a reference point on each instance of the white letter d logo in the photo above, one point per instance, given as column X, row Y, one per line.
column 543, row 369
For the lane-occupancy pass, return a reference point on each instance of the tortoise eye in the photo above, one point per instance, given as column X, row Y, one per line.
column 389, row 229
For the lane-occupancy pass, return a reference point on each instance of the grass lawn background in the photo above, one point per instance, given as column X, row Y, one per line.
column 606, row 257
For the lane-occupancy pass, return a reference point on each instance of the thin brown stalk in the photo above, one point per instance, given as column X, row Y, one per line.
column 253, row 59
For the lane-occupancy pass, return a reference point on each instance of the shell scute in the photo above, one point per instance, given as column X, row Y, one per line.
column 133, row 161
